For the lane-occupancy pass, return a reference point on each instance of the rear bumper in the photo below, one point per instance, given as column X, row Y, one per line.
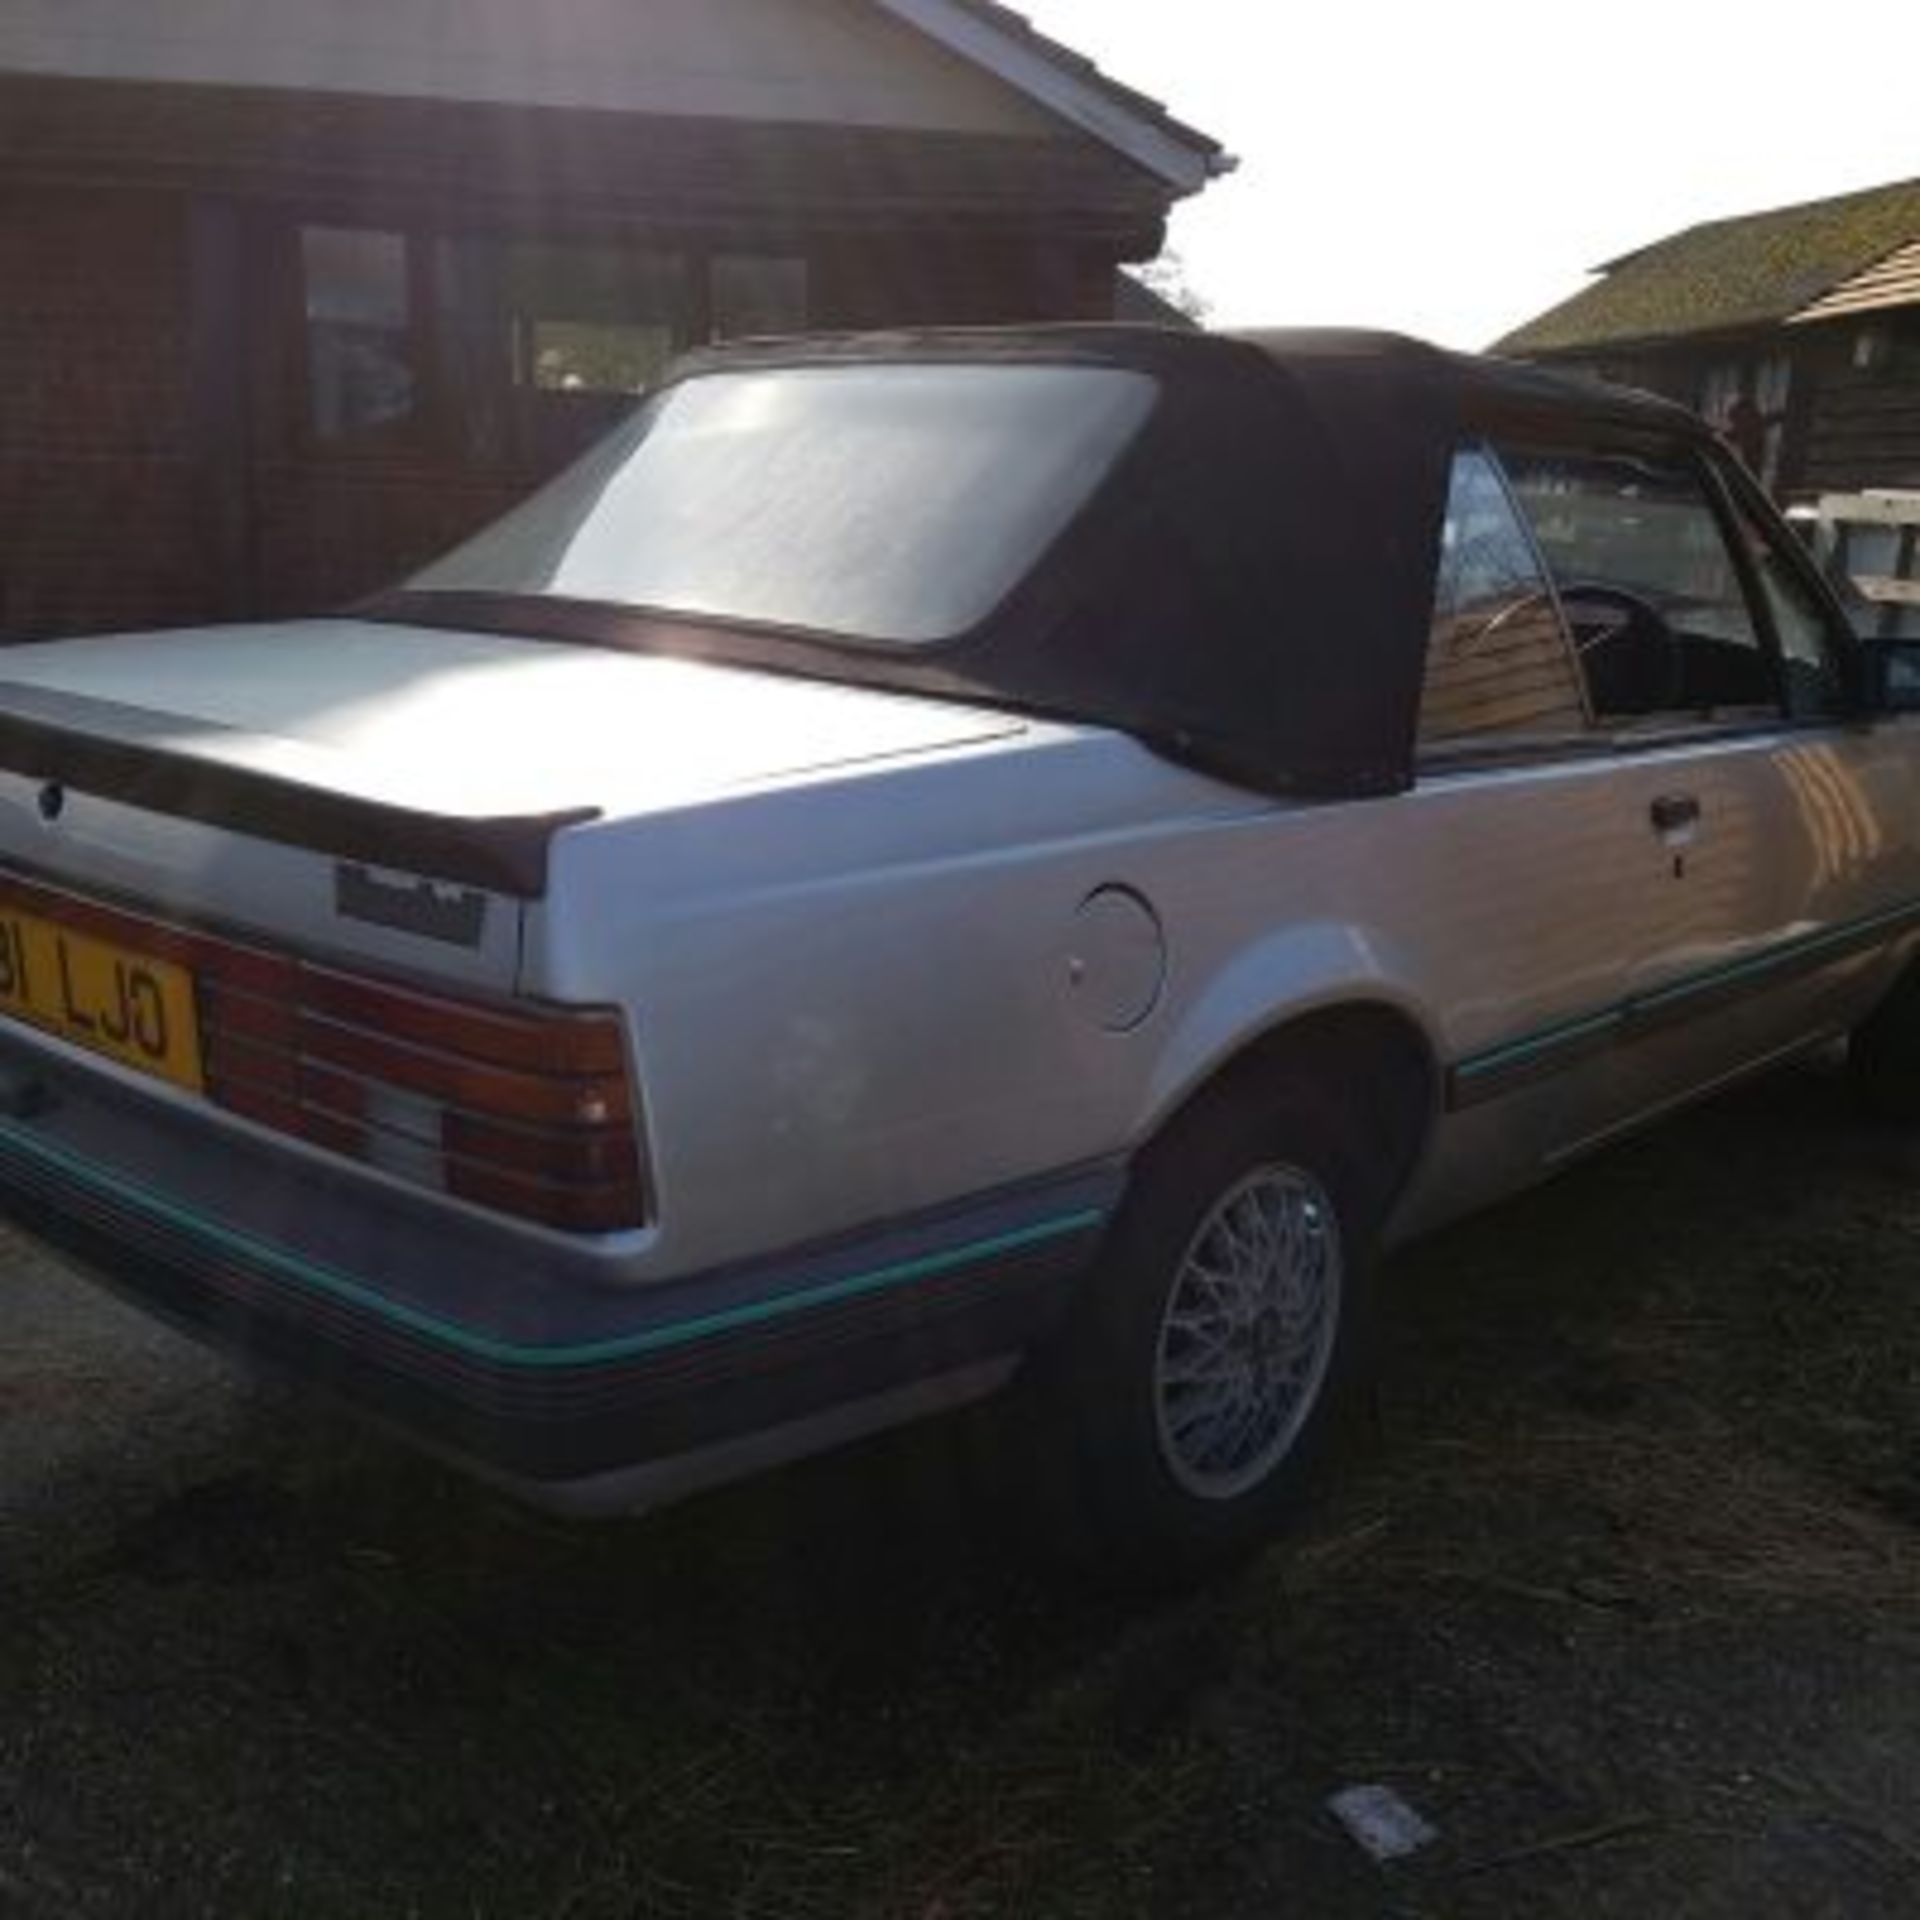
column 531, row 1372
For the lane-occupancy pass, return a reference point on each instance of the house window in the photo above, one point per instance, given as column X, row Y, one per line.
column 509, row 351
column 593, row 319
column 752, row 294
column 1772, row 387
column 1870, row 349
column 1746, row 403
column 1772, row 381
column 363, row 370
column 1719, row 389
column 591, row 356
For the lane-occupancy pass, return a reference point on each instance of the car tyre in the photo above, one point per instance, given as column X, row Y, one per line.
column 1213, row 1364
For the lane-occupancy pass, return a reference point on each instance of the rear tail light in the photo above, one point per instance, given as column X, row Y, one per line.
column 524, row 1109
column 528, row 1112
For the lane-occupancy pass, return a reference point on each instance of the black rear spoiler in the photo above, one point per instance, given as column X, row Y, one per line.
column 199, row 770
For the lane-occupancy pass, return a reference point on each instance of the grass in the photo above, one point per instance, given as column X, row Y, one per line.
column 1624, row 1601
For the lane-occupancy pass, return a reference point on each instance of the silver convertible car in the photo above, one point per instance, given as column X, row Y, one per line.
column 944, row 862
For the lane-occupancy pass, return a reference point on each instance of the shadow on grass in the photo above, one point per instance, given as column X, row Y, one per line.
column 1647, row 1435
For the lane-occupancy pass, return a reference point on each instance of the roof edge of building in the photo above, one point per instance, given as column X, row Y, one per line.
column 1008, row 45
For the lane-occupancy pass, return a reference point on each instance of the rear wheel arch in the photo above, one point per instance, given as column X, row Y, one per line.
column 1210, row 1372
column 1370, row 1060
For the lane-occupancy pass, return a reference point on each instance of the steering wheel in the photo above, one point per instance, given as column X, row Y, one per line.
column 1629, row 653
column 1534, row 600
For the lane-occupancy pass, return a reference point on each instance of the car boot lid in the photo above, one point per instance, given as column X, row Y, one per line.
column 449, row 754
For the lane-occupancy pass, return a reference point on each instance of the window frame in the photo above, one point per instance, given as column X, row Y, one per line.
column 1726, row 493
column 1477, row 746
column 435, row 433
column 1666, row 723
column 422, row 434
column 1738, row 499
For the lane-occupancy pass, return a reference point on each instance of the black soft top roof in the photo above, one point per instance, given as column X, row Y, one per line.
column 1250, row 588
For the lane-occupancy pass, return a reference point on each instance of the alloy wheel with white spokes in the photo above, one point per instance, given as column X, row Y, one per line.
column 1209, row 1374
column 1248, row 1332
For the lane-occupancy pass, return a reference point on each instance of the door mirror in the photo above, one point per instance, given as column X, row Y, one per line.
column 1892, row 673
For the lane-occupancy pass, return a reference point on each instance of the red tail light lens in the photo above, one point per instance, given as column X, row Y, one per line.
column 524, row 1109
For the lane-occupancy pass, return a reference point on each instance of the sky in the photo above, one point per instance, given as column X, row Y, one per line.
column 1452, row 169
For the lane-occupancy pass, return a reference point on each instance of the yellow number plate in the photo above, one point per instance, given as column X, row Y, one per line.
column 129, row 1006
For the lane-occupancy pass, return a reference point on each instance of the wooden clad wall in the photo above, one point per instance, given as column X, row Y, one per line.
column 100, row 522
column 155, row 467
column 1864, row 424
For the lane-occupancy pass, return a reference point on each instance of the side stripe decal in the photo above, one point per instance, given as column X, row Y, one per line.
column 1499, row 1069
column 310, row 1277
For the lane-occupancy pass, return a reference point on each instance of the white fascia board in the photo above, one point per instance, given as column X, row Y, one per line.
column 1083, row 103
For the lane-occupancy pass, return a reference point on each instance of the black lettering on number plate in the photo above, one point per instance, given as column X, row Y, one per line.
column 114, row 1020
column 146, row 1011
column 75, row 1016
column 13, row 962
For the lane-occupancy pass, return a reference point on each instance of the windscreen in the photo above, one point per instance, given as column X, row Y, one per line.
column 896, row 504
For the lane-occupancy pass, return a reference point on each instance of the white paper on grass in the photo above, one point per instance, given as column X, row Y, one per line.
column 1380, row 1821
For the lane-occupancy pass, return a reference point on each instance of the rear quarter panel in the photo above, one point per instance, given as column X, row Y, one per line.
column 851, row 997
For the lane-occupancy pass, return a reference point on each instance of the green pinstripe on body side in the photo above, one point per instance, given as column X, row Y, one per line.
column 1513, row 1053
column 1806, row 946
column 335, row 1285
column 339, row 1286
column 1509, row 1054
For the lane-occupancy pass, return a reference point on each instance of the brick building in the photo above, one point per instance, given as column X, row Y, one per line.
column 293, row 295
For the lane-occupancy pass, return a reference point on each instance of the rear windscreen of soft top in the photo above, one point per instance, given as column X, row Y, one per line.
column 888, row 504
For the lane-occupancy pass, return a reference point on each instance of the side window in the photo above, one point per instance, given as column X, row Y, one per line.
column 1800, row 623
column 1649, row 586
column 1498, row 663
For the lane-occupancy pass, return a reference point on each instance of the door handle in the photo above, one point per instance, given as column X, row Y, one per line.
column 1672, row 811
